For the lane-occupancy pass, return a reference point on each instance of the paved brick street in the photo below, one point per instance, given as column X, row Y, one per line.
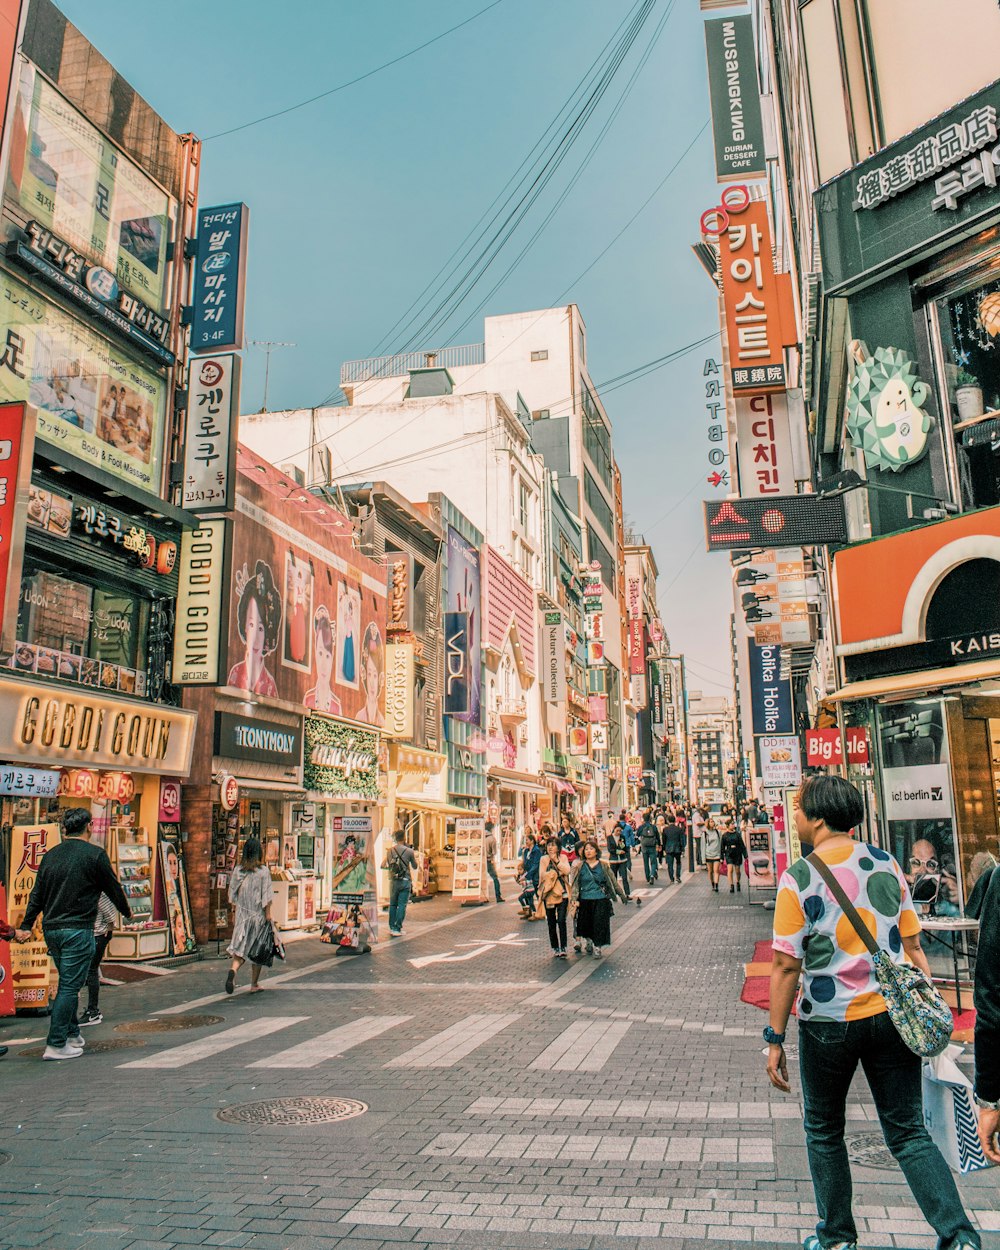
column 513, row 1101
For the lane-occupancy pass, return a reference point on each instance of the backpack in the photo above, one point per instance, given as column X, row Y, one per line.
column 398, row 868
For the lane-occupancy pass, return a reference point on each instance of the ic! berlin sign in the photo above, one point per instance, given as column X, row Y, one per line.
column 786, row 520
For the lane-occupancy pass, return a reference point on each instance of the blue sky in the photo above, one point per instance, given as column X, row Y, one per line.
column 357, row 200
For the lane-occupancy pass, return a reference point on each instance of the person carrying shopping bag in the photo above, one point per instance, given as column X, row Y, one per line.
column 251, row 893
column 592, row 887
column 553, row 894
column 844, row 921
column 531, row 857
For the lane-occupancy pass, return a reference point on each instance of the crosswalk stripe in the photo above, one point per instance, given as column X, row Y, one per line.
column 317, row 1050
column 585, row 1046
column 445, row 1049
column 208, row 1047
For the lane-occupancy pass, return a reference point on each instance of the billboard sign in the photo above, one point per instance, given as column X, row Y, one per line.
column 735, row 98
column 770, row 696
column 213, row 415
column 463, row 631
column 203, row 575
column 220, row 269
column 800, row 520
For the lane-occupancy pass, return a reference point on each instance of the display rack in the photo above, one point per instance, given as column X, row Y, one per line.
column 142, row 937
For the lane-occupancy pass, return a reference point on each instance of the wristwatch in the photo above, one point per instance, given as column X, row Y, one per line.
column 986, row 1104
column 772, row 1038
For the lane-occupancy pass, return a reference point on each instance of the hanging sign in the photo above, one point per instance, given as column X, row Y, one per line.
column 715, row 408
column 554, row 659
column 764, row 444
column 229, row 792
column 29, row 782
column 220, row 278
column 199, row 647
column 735, row 98
column 17, row 442
column 803, row 520
column 770, row 695
column 400, row 680
column 824, row 747
column 213, row 413
column 31, row 968
column 780, row 762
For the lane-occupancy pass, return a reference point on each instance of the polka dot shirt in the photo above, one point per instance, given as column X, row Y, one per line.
column 838, row 977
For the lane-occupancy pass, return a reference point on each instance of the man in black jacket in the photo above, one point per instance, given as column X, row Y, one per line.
column 70, row 881
column 649, row 843
column 987, row 1001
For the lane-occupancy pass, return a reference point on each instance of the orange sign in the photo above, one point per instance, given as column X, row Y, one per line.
column 760, row 315
column 31, row 968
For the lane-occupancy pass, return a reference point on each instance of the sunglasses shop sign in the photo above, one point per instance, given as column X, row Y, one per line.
column 922, row 792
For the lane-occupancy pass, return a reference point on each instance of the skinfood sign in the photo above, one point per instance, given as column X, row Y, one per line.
column 46, row 726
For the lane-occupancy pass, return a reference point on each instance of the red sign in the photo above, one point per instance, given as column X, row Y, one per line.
column 598, row 704
column 824, row 746
column 88, row 783
column 170, row 800
column 857, row 745
column 229, row 792
column 636, row 647
column 13, row 444
column 6, row 973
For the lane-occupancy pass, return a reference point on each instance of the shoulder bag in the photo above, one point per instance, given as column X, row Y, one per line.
column 921, row 1016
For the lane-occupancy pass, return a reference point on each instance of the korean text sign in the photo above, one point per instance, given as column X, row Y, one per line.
column 764, row 445
column 212, row 422
column 220, row 278
column 30, row 961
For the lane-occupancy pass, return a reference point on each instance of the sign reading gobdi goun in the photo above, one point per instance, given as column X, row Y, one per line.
column 39, row 724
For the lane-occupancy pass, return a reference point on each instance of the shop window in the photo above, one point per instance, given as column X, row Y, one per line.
column 970, row 325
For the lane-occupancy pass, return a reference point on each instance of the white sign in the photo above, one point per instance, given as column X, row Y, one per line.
column 599, row 737
column 780, row 762
column 637, row 690
column 201, row 583
column 470, row 858
column 764, row 445
column 36, row 782
column 213, row 409
column 922, row 792
column 352, row 824
column 554, row 658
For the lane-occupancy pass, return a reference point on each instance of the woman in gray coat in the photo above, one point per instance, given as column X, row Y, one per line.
column 250, row 892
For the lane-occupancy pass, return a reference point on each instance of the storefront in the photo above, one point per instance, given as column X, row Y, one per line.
column 516, row 803
column 120, row 758
column 416, row 803
column 921, row 703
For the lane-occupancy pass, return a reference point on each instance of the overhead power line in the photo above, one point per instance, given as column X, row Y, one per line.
column 322, row 95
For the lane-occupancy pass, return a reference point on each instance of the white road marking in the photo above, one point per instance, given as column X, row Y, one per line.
column 433, row 987
column 208, row 1047
column 585, row 1046
column 317, row 1050
column 445, row 1049
column 479, row 947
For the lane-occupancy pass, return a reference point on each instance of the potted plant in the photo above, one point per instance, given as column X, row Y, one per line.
column 968, row 396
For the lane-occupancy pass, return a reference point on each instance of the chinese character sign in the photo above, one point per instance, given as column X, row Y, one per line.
column 31, row 968
column 220, row 278
column 759, row 317
column 212, row 420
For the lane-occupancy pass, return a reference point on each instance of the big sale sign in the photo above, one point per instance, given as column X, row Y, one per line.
column 825, row 747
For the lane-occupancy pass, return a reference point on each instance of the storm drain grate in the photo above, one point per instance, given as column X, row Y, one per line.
column 292, row 1111
column 93, row 1048
column 869, row 1150
column 169, row 1024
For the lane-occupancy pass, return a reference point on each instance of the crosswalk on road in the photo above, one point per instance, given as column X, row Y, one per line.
column 585, row 1045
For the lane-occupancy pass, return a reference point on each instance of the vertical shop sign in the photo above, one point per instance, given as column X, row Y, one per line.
column 715, row 410
column 199, row 647
column 656, row 696
column 213, row 416
column 735, row 98
column 400, row 679
column 220, row 278
column 7, row 1007
column 636, row 647
column 463, row 630
column 457, row 679
column 554, row 658
column 17, row 443
column 31, row 969
column 399, row 617
column 770, row 696
column 764, row 445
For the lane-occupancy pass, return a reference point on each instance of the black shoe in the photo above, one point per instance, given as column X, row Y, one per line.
column 732, row 889
column 3, row 1051
column 93, row 1015
column 230, row 981
column 638, row 902
column 739, row 889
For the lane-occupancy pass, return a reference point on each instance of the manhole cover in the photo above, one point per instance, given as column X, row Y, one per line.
column 870, row 1151
column 293, row 1111
column 4, row 1157
column 93, row 1048
column 169, row 1024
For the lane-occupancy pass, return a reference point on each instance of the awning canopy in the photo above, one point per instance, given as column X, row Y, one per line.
column 560, row 785
column 432, row 805
column 917, row 683
column 513, row 780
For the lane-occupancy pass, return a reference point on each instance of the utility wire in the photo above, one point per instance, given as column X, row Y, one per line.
column 322, row 95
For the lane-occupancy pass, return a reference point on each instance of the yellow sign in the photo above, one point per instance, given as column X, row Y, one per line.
column 31, row 968
column 791, row 804
column 46, row 724
column 400, row 679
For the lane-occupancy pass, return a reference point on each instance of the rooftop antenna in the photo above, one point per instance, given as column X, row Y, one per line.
column 268, row 345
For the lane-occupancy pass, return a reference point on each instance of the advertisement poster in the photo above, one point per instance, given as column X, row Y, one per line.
column 175, row 891
column 759, row 854
column 791, row 806
column 780, row 762
column 353, row 913
column 94, row 399
column 6, row 977
column 307, row 612
column 64, row 174
column 470, row 859
column 919, row 792
column 32, row 971
column 463, row 668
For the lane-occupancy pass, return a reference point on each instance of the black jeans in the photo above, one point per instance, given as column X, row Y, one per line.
column 829, row 1054
column 556, row 916
column 674, row 864
column 491, row 868
column 620, row 869
column 101, row 943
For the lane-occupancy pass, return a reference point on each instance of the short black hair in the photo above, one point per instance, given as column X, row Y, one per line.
column 75, row 821
column 832, row 800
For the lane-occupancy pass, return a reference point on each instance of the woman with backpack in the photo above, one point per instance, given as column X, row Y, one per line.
column 825, row 903
column 734, row 852
column 591, row 890
column 553, row 894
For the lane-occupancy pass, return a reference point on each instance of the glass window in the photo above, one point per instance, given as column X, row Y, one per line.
column 596, row 436
column 598, row 504
column 542, row 355
column 70, row 618
column 603, row 556
column 523, row 506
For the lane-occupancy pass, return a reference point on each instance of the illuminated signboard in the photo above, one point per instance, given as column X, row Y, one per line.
column 788, row 520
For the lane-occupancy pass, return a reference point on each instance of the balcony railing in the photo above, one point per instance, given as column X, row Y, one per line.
column 512, row 709
column 398, row 366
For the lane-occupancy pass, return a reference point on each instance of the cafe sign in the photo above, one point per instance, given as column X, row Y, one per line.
column 42, row 725
column 340, row 759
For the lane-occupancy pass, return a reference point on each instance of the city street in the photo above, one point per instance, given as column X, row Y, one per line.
column 508, row 1100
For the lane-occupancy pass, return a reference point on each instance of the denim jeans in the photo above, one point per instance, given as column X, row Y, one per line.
column 491, row 868
column 829, row 1054
column 101, row 943
column 621, row 871
column 649, row 862
column 71, row 950
column 399, row 896
column 674, row 864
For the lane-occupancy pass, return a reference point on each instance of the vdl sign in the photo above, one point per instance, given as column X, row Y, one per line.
column 456, row 664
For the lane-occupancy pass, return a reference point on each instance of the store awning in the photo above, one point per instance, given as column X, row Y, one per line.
column 432, row 805
column 516, row 781
column 559, row 784
column 917, row 683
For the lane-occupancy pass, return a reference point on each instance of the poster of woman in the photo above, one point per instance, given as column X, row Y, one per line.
column 297, row 635
column 372, row 676
column 257, row 612
column 348, row 619
column 175, row 895
column 321, row 697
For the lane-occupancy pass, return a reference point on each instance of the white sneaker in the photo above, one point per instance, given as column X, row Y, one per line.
column 79, row 1041
column 598, row 953
column 63, row 1052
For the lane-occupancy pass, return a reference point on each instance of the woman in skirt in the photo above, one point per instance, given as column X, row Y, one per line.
column 592, row 888
column 250, row 892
